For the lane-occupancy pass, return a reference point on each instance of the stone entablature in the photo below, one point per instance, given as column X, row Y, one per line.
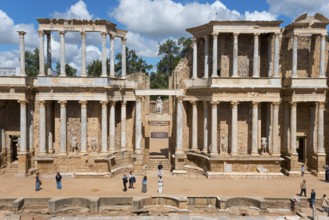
column 241, row 82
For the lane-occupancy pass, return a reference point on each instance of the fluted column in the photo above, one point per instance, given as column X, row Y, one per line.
column 123, row 58
column 254, row 134
column 255, row 72
column 104, row 126
column 31, row 133
column 22, row 129
column 195, row 58
column 83, row 126
column 83, row 54
column 235, row 55
column 112, row 127
column 275, row 130
column 41, row 55
column 205, row 127
column 214, row 55
column 194, row 126
column 123, row 125
column 22, row 52
column 104, row 66
column 276, row 55
column 206, row 57
column 293, row 123
column 234, row 128
column 49, row 134
column 294, row 56
column 321, row 127
column 138, row 125
column 63, row 127
column 48, row 34
column 112, row 37
column 322, row 55
column 62, row 55
column 214, row 151
column 42, row 127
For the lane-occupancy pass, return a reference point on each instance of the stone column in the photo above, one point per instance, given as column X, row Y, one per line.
column 275, row 130
column 48, row 34
column 194, row 126
column 322, row 55
column 3, row 140
column 235, row 55
column 179, row 125
column 112, row 37
column 294, row 56
column 62, row 55
column 104, row 126
column 321, row 127
column 31, row 133
column 234, row 129
column 276, row 55
column 214, row 151
column 138, row 125
column 112, row 127
column 254, row 134
column 42, row 127
column 206, row 57
column 123, row 58
column 83, row 54
column 104, row 66
column 22, row 125
column 214, row 55
column 195, row 58
column 255, row 72
column 22, row 52
column 63, row 127
column 205, row 127
column 41, row 55
column 293, row 123
column 83, row 126
column 123, row 125
column 49, row 127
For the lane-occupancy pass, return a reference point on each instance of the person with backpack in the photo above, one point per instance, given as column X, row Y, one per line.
column 124, row 181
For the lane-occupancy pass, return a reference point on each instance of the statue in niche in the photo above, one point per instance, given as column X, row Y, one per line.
column 223, row 144
column 158, row 105
column 264, row 144
column 74, row 144
column 18, row 145
column 93, row 145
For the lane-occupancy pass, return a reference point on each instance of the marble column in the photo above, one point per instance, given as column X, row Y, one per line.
column 214, row 131
column 276, row 55
column 23, row 129
column 3, row 140
column 123, row 125
column 62, row 55
column 41, row 55
column 275, row 130
column 321, row 128
column 112, row 37
column 254, row 132
column 22, row 52
column 104, row 126
column 195, row 58
column 179, row 125
column 255, row 68
column 322, row 55
column 194, row 126
column 234, row 129
column 138, row 125
column 293, row 123
column 49, row 68
column 63, row 127
column 104, row 66
column 206, row 57
column 83, row 126
column 31, row 133
column 42, row 127
column 112, row 127
column 235, row 55
column 214, row 55
column 49, row 126
column 123, row 58
column 294, row 56
column 205, row 127
column 83, row 54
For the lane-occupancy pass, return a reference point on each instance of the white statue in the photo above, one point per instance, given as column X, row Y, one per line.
column 93, row 145
column 74, row 144
column 264, row 144
column 158, row 105
column 223, row 144
column 18, row 145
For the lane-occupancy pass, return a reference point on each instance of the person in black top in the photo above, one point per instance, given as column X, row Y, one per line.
column 37, row 182
column 160, row 167
column 58, row 180
column 124, row 181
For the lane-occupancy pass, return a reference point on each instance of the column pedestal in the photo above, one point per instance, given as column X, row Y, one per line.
column 23, row 163
column 138, row 164
column 320, row 163
column 293, row 165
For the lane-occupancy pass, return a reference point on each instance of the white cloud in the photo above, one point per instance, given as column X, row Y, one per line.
column 259, row 16
column 9, row 58
column 143, row 46
column 77, row 11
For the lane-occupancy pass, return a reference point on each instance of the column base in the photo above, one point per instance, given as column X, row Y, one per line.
column 180, row 160
column 62, row 153
column 195, row 149
column 253, row 154
column 23, row 158
column 214, row 155
column 112, row 152
column 103, row 154
column 51, row 151
column 138, row 152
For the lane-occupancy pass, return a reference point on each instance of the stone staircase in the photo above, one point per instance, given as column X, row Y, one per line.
column 151, row 168
column 12, row 168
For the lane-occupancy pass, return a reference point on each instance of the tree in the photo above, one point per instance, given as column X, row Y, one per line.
column 95, row 68
column 32, row 63
column 69, row 70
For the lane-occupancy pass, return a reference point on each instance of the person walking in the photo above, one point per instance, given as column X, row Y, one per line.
column 302, row 170
column 160, row 167
column 144, row 184
column 303, row 188
column 160, row 184
column 313, row 195
column 38, row 182
column 325, row 203
column 124, row 181
column 327, row 173
column 132, row 180
column 58, row 178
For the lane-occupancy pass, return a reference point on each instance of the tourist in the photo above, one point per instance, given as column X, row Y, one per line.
column 297, row 201
column 303, row 188
column 160, row 167
column 124, row 181
column 313, row 195
column 327, row 173
column 58, row 178
column 160, row 184
column 144, row 184
column 302, row 170
column 132, row 180
column 325, row 203
column 38, row 182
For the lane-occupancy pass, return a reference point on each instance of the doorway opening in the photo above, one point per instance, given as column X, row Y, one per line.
column 301, row 149
column 13, row 147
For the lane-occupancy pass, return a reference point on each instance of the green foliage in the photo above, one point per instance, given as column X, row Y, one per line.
column 69, row 70
column 32, row 63
column 95, row 68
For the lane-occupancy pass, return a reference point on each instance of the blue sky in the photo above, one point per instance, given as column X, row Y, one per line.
column 147, row 21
